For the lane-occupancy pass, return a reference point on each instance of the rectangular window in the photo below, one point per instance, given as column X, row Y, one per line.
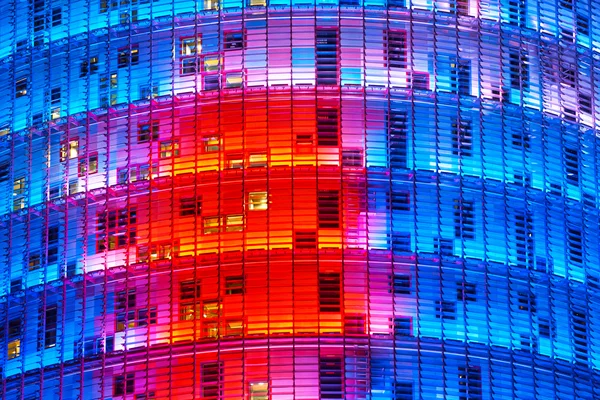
column 88, row 166
column 328, row 205
column 328, row 126
column 69, row 150
column 258, row 160
column 189, row 66
column 234, row 285
column 234, row 40
column 526, row 302
column 571, row 160
column 211, row 380
column 34, row 262
column 397, row 49
column 519, row 69
column 464, row 219
column 305, row 239
column 397, row 138
column 580, row 334
column 461, row 7
column 4, row 171
column 403, row 326
column 352, row 158
column 403, row 390
column 148, row 131
column 56, row 16
column 124, row 384
column 234, row 223
column 169, row 148
column 517, row 12
column 330, row 292
column 258, row 201
column 191, row 46
column 469, row 383
column 212, row 62
column 466, row 291
column 189, row 294
column 234, row 80
column 445, row 309
column 354, row 324
column 523, row 231
column 51, row 319
column 401, row 284
column 211, row 4
column 191, row 206
column 21, row 87
column 128, row 56
column 235, row 328
column 327, row 53
column 116, row 229
column 400, row 200
column 211, row 144
column 211, row 225
column 259, row 391
column 462, row 138
column 460, row 79
column 583, row 25
column 211, row 82
column 574, row 245
column 14, row 337
column 189, row 290
column 330, row 377
column 19, row 186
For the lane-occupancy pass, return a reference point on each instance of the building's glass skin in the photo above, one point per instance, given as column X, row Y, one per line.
column 204, row 200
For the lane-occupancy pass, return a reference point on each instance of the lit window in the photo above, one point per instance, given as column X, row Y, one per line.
column 14, row 349
column 4, row 130
column 34, row 262
column 258, row 201
column 169, row 148
column 259, row 391
column 211, row 4
column 212, row 63
column 211, row 225
column 235, row 161
column 69, row 150
column 90, row 167
column 189, row 66
column 19, row 186
column 128, row 56
column 234, row 223
column 235, row 328
column 211, row 309
column 234, row 80
column 21, row 87
column 189, row 311
column 191, row 46
column 258, row 160
column 211, row 144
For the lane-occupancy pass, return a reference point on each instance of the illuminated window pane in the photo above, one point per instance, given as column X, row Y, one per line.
column 258, row 201
column 234, row 223
column 234, row 80
column 211, row 309
column 14, row 349
column 191, row 46
column 258, row 160
column 259, row 391
column 19, row 186
column 211, row 144
column 212, row 63
column 169, row 149
column 235, row 328
column 211, row 225
column 211, row 4
column 190, row 311
column 73, row 148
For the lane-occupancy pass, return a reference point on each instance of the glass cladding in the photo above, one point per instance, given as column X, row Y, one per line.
column 276, row 199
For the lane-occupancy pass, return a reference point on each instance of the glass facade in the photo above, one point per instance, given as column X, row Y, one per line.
column 292, row 199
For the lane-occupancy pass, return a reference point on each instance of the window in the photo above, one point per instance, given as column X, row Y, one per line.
column 461, row 7
column 327, row 53
column 585, row 103
column 466, row 291
column 189, row 66
column 212, row 144
column 401, row 284
column 445, row 309
column 190, row 206
column 352, row 158
column 16, row 285
column 234, row 223
column 403, row 326
column 235, row 328
column 234, row 80
column 397, row 134
column 4, row 171
column 580, row 334
column 234, row 285
column 574, row 245
column 420, row 80
column 69, row 150
column 211, row 82
column 328, row 204
column 211, row 309
column 400, row 200
column 257, row 3
column 583, row 25
column 258, row 201
column 34, row 262
column 211, row 4
column 191, row 46
column 116, row 229
column 189, row 294
column 469, row 383
column 212, row 62
column 403, row 390
column 169, row 148
column 51, row 318
column 464, row 219
column 14, row 337
column 148, row 131
column 462, row 138
column 330, row 377
column 305, row 239
column 90, row 67
column 571, row 159
column 354, row 324
column 88, row 166
column 21, row 87
column 259, row 391
column 460, row 77
column 19, row 186
column 517, row 12
column 396, row 49
column 520, row 140
column 258, row 160
column 56, row 16
column 519, row 70
column 234, row 40
column 544, row 328
column 526, row 302
column 523, row 228
column 211, row 380
column 212, row 225
column 330, row 292
column 148, row 92
column 328, row 126
column 124, row 384
column 128, row 56
column 189, row 290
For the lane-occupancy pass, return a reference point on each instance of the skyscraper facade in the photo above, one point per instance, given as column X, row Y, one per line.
column 292, row 199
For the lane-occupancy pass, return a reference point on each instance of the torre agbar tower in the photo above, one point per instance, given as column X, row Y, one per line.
column 299, row 200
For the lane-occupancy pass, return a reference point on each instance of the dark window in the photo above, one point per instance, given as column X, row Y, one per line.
column 350, row 157
column 328, row 205
column 574, row 245
column 190, row 206
column 524, row 239
column 403, row 390
column 305, row 239
column 234, row 285
column 464, row 219
column 21, row 87
column 396, row 49
column 397, row 136
column 211, row 380
column 189, row 290
column 400, row 200
column 571, row 157
column 403, row 326
column 517, row 12
column 211, row 82
column 234, row 40
column 401, row 242
column 330, row 377
column 544, row 328
column 4, row 171
column 461, row 76
column 519, row 70
column 526, row 301
column 461, row 7
column 16, row 285
column 14, row 328
column 444, row 247
column 128, row 56
column 328, row 126
column 585, row 103
column 567, row 4
column 124, row 384
column 56, row 16
column 190, row 66
column 51, row 319
column 116, row 229
column 466, row 291
column 520, row 140
column 583, row 25
column 397, row 3
column 580, row 335
column 469, row 383
column 354, row 324
column 445, row 309
column 148, row 131
column 330, row 292
column 327, row 56
column 401, row 284
column 462, row 138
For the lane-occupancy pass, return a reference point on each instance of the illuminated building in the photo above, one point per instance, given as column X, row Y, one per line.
column 357, row 200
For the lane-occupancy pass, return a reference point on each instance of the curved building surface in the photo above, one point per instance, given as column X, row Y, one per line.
column 227, row 200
